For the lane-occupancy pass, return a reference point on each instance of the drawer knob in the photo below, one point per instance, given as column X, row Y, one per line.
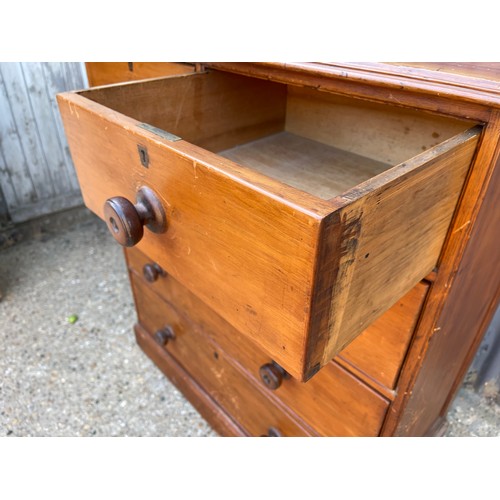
column 152, row 272
column 126, row 221
column 272, row 375
column 272, row 432
column 163, row 336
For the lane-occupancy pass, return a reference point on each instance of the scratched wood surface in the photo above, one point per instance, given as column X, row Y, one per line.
column 38, row 176
column 208, row 203
column 353, row 256
column 105, row 73
column 213, row 369
column 319, row 402
column 391, row 233
column 436, row 359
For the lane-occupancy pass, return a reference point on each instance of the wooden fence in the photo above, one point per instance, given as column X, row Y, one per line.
column 36, row 172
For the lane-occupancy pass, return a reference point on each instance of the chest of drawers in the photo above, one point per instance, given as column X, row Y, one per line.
column 295, row 234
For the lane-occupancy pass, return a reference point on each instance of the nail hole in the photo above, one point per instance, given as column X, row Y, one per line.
column 367, row 255
column 114, row 225
column 216, row 355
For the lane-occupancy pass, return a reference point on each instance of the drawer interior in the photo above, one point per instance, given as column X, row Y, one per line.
column 314, row 141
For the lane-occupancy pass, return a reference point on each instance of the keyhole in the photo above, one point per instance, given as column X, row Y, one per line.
column 143, row 155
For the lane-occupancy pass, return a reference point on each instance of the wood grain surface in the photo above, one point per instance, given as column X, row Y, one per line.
column 214, row 370
column 241, row 273
column 375, row 356
column 458, row 95
column 461, row 302
column 321, row 170
column 213, row 110
column 319, row 402
column 380, row 350
column 305, row 276
column 464, row 288
column 387, row 238
column 105, row 73
column 220, row 421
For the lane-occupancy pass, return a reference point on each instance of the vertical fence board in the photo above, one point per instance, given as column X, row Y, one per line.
column 46, row 127
column 37, row 175
column 15, row 171
column 27, row 130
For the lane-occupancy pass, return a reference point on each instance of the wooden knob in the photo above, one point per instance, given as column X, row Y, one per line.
column 152, row 272
column 163, row 336
column 272, row 375
column 126, row 221
column 272, row 432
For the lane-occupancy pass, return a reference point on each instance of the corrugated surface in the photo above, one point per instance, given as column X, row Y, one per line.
column 36, row 172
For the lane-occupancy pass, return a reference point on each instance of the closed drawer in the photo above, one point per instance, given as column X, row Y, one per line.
column 378, row 352
column 212, row 368
column 298, row 216
column 334, row 402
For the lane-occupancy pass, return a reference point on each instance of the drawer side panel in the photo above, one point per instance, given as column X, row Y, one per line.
column 386, row 239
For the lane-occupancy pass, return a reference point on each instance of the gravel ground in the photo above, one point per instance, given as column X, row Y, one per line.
column 89, row 378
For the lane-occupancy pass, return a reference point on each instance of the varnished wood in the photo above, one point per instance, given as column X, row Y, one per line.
column 207, row 203
column 375, row 356
column 212, row 110
column 447, row 94
column 386, row 134
column 152, row 272
column 218, row 419
column 424, row 366
column 380, row 350
column 209, row 365
column 320, row 402
column 488, row 72
column 126, row 221
column 462, row 300
column 301, row 322
column 319, row 169
column 104, row 73
column 391, row 231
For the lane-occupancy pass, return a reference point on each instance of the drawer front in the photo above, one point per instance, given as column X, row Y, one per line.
column 104, row 73
column 301, row 275
column 212, row 369
column 334, row 402
column 378, row 352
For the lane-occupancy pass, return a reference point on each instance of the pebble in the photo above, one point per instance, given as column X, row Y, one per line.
column 88, row 378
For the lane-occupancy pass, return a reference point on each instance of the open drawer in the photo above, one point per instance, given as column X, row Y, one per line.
column 297, row 215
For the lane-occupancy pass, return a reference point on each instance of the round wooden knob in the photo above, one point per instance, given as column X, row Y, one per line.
column 152, row 272
column 126, row 221
column 163, row 336
column 272, row 432
column 272, row 375
column 123, row 221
